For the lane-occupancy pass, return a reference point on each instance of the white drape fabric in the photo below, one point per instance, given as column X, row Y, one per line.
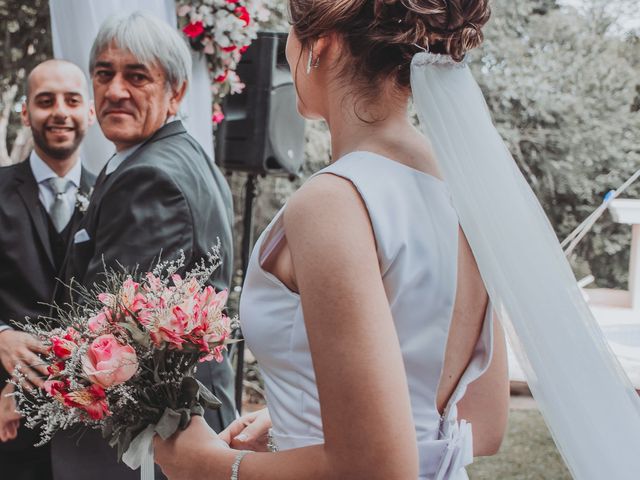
column 587, row 400
column 74, row 25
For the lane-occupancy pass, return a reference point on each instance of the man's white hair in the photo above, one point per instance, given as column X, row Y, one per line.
column 150, row 40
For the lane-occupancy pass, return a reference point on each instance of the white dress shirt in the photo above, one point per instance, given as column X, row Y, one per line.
column 42, row 173
column 119, row 157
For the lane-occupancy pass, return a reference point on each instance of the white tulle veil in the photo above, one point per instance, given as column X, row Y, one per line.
column 586, row 398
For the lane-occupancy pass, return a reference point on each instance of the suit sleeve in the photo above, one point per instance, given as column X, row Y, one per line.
column 144, row 217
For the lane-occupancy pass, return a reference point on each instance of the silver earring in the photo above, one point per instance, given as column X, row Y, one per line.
column 310, row 61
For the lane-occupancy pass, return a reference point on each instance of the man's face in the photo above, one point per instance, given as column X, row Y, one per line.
column 132, row 99
column 58, row 109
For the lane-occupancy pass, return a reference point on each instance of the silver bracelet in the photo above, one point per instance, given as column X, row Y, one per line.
column 236, row 464
column 271, row 443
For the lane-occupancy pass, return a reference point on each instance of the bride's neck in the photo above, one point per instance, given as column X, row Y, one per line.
column 367, row 130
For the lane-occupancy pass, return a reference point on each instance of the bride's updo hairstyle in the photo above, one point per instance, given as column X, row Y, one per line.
column 384, row 35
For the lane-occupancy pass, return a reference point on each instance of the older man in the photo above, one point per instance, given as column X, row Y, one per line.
column 160, row 194
column 38, row 213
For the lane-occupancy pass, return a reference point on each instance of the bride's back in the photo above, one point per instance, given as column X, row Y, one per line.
column 436, row 298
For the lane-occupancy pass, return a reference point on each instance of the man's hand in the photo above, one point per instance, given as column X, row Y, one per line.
column 9, row 418
column 22, row 349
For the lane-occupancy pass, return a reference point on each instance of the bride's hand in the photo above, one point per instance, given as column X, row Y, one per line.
column 249, row 432
column 182, row 456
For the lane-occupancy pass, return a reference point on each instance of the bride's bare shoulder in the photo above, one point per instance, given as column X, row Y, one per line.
column 326, row 203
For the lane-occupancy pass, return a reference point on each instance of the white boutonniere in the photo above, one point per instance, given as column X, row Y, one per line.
column 83, row 199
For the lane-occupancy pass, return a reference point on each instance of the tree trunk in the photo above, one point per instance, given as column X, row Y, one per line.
column 22, row 145
column 8, row 97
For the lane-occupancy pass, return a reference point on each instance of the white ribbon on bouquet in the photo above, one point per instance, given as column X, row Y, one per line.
column 140, row 453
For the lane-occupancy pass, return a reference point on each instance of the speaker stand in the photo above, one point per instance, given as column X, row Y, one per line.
column 250, row 193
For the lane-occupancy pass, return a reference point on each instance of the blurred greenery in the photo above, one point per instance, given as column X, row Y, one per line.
column 563, row 91
column 25, row 41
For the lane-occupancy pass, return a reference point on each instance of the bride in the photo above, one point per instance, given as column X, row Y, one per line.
column 364, row 302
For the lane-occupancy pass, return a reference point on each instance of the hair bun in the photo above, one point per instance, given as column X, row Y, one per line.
column 381, row 35
column 450, row 27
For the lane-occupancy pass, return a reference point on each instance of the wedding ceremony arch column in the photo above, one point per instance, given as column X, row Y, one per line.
column 74, row 26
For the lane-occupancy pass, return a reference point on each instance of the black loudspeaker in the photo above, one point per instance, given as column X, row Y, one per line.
column 262, row 132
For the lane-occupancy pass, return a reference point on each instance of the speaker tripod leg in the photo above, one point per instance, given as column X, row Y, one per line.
column 250, row 193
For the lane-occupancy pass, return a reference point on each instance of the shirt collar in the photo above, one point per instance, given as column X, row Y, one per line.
column 120, row 157
column 42, row 171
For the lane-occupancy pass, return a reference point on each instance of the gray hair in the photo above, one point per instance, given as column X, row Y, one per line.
column 150, row 40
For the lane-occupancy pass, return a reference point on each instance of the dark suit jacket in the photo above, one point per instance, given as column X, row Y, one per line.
column 166, row 197
column 27, row 268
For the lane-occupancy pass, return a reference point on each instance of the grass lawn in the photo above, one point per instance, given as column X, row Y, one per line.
column 528, row 453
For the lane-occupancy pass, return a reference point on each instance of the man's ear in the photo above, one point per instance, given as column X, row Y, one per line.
column 24, row 114
column 92, row 112
column 177, row 95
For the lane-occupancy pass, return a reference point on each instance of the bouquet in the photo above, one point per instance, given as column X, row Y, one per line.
column 222, row 30
column 123, row 358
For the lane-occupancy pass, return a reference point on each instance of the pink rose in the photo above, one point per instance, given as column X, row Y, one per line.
column 108, row 363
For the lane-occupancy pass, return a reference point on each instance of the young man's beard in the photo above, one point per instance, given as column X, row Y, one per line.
column 61, row 153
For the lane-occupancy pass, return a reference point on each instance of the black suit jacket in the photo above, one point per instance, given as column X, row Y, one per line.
column 166, row 197
column 27, row 267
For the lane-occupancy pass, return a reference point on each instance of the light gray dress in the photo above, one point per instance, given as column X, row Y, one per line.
column 416, row 232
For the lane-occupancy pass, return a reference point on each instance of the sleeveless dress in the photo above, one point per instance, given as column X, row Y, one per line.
column 416, row 233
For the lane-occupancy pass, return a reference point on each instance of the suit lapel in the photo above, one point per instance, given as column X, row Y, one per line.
column 104, row 181
column 174, row 128
column 88, row 184
column 85, row 191
column 28, row 190
column 87, row 180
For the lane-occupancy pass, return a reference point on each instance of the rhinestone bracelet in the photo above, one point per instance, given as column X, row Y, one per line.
column 236, row 464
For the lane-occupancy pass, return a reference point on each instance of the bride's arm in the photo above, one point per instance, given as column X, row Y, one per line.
column 486, row 403
column 366, row 412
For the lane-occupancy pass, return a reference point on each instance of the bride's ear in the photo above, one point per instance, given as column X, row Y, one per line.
column 327, row 48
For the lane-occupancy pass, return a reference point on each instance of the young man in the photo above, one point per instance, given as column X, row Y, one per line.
column 38, row 213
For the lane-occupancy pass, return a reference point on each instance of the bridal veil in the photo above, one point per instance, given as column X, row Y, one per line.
column 587, row 400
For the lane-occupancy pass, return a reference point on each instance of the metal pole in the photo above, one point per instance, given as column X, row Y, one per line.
column 247, row 242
